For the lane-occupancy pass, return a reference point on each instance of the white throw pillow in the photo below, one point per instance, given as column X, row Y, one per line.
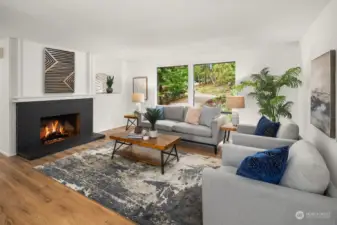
column 306, row 170
column 288, row 131
column 193, row 115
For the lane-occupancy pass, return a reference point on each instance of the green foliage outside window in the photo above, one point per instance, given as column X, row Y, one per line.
column 172, row 83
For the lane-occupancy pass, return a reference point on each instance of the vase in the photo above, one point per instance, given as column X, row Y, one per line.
column 153, row 133
column 109, row 90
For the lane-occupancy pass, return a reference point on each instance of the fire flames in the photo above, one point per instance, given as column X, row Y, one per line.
column 52, row 132
column 53, row 127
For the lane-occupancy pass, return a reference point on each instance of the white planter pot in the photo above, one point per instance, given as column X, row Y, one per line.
column 153, row 133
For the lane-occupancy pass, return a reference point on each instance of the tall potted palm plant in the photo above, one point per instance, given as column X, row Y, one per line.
column 152, row 115
column 266, row 91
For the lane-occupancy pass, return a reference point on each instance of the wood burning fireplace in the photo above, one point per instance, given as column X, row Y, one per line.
column 46, row 127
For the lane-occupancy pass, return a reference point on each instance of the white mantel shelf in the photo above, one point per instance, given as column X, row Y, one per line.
column 50, row 98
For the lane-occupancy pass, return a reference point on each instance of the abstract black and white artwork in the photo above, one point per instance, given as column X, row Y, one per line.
column 100, row 83
column 323, row 93
column 136, row 190
column 59, row 71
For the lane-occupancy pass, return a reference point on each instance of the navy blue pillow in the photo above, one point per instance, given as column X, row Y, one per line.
column 267, row 128
column 161, row 109
column 267, row 166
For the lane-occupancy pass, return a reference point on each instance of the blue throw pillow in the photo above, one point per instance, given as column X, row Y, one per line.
column 267, row 128
column 267, row 166
column 161, row 108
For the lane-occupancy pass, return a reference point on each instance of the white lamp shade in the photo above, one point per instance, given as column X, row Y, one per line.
column 138, row 97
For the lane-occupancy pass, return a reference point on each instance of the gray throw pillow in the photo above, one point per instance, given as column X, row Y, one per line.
column 208, row 114
column 174, row 113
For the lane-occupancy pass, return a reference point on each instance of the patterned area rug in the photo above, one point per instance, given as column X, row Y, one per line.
column 136, row 190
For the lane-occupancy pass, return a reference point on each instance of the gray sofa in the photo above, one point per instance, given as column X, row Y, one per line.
column 174, row 124
column 287, row 134
column 234, row 200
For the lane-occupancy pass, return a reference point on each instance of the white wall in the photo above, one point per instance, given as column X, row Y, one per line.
column 109, row 109
column 31, row 74
column 4, row 99
column 320, row 38
column 278, row 57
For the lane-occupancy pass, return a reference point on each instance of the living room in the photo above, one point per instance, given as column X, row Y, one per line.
column 75, row 72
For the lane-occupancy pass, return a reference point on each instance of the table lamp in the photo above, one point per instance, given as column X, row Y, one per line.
column 138, row 98
column 235, row 102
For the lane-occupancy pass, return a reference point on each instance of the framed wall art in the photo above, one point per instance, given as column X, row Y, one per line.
column 59, row 71
column 140, row 86
column 323, row 93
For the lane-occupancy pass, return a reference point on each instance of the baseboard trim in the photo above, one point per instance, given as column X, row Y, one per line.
column 6, row 154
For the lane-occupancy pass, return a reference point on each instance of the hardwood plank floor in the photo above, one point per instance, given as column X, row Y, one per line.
column 27, row 197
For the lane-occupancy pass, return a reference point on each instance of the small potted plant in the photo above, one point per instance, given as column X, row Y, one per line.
column 109, row 83
column 152, row 115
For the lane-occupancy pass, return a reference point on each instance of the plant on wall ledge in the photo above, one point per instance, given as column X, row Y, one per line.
column 109, row 83
column 267, row 89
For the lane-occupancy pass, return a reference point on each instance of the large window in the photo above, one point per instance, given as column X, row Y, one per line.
column 172, row 85
column 212, row 82
column 209, row 82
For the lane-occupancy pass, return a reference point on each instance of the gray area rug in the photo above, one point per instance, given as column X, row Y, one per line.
column 136, row 190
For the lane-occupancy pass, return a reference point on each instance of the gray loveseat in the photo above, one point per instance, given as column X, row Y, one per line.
column 173, row 123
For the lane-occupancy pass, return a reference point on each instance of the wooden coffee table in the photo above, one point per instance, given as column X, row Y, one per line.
column 164, row 144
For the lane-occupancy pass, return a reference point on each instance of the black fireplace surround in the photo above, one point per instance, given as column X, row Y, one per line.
column 28, row 126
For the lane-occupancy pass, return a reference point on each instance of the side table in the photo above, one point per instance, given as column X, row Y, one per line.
column 227, row 128
column 131, row 120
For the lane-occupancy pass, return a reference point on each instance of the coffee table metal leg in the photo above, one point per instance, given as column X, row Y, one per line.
column 175, row 149
column 162, row 162
column 116, row 148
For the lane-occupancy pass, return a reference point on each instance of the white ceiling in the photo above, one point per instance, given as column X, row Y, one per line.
column 128, row 26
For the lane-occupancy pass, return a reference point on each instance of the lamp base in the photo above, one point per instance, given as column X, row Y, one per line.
column 235, row 119
column 138, row 107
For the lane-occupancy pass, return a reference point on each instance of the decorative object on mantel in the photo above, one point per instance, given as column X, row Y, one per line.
column 323, row 93
column 140, row 86
column 266, row 91
column 152, row 115
column 109, row 83
column 235, row 102
column 138, row 98
column 59, row 71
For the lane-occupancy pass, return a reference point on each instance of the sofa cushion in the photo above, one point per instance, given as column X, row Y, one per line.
column 208, row 114
column 267, row 128
column 174, row 113
column 197, row 130
column 288, row 131
column 267, row 166
column 306, row 169
column 193, row 115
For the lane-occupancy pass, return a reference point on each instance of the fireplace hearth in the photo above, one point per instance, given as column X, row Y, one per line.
column 46, row 127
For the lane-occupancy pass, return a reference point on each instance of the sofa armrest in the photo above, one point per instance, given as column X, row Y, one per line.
column 217, row 134
column 231, row 199
column 260, row 141
column 232, row 155
column 246, row 129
